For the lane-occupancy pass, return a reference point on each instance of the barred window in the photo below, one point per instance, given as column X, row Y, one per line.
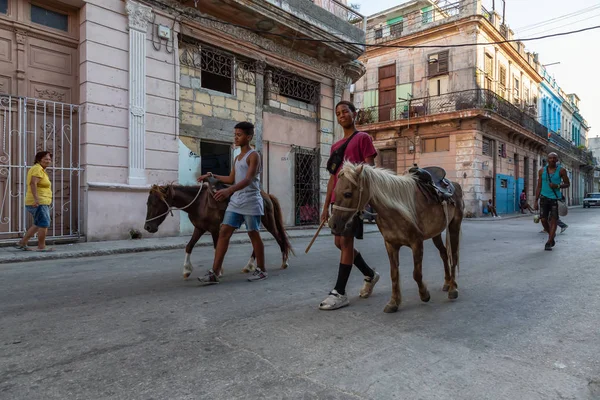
column 219, row 70
column 292, row 86
column 486, row 148
column 488, row 184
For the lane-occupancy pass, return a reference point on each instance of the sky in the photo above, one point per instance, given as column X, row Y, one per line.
column 578, row 54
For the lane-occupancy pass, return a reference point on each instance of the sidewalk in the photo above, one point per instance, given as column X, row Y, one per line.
column 518, row 214
column 92, row 249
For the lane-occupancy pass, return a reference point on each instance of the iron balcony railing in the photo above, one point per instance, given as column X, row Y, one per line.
column 450, row 102
column 415, row 21
column 584, row 155
column 344, row 12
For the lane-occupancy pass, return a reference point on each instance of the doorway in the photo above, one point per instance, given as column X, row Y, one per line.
column 215, row 157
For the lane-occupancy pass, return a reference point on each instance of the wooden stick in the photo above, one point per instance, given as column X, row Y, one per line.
column 315, row 237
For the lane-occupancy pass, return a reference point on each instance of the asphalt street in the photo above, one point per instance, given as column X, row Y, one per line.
column 525, row 325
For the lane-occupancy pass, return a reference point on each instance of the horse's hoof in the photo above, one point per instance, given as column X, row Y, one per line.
column 285, row 265
column 186, row 275
column 453, row 294
column 426, row 298
column 445, row 287
column 389, row 308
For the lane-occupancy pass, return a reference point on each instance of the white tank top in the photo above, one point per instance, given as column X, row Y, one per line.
column 247, row 201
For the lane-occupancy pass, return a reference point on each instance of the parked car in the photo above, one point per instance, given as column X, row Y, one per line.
column 591, row 199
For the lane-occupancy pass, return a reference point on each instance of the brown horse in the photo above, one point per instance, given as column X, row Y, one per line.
column 406, row 216
column 206, row 214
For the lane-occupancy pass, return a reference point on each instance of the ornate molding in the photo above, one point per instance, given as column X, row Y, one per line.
column 21, row 36
column 354, row 70
column 260, row 67
column 49, row 94
column 251, row 37
column 339, row 87
column 136, row 111
column 139, row 15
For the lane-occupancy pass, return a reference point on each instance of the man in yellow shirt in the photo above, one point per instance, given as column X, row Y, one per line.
column 38, row 200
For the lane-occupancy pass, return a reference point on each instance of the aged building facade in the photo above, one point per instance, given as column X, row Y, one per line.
column 127, row 94
column 470, row 109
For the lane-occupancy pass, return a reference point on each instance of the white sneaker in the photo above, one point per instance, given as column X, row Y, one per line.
column 368, row 286
column 334, row 301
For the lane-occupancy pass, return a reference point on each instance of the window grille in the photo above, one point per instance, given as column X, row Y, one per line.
column 486, row 147
column 219, row 70
column 292, row 86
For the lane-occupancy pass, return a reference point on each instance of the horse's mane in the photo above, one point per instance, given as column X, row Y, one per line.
column 396, row 192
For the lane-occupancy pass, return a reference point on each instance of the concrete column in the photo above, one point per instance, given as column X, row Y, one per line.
column 258, row 123
column 338, row 92
column 139, row 16
column 260, row 100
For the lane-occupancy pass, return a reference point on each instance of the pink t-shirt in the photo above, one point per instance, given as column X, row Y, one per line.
column 358, row 150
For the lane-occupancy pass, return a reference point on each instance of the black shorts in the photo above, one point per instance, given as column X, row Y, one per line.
column 548, row 208
column 357, row 228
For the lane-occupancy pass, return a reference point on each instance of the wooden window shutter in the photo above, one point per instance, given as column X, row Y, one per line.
column 443, row 62
column 502, row 77
column 489, row 65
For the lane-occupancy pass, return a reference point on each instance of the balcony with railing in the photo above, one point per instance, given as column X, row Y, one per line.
column 475, row 99
column 563, row 145
column 344, row 12
column 340, row 29
column 331, row 15
column 414, row 20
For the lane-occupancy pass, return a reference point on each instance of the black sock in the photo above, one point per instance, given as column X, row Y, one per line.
column 363, row 267
column 342, row 280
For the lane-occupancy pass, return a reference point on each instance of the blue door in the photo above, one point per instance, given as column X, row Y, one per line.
column 505, row 194
column 520, row 185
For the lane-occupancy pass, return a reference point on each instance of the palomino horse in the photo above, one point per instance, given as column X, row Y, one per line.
column 405, row 217
column 206, row 214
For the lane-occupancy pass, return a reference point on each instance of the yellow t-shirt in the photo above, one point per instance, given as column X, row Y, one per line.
column 44, row 190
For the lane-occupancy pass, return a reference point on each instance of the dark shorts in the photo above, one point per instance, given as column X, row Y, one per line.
column 357, row 228
column 41, row 215
column 548, row 208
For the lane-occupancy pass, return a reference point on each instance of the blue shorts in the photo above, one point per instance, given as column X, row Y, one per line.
column 41, row 215
column 234, row 219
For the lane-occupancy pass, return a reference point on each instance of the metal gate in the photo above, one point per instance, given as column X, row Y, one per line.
column 27, row 126
column 306, row 186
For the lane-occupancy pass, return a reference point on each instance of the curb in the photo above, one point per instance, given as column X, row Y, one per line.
column 26, row 257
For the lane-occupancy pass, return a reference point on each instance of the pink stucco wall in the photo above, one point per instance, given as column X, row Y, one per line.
column 104, row 92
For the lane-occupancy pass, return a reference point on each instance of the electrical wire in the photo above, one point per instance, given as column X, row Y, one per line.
column 556, row 19
column 345, row 42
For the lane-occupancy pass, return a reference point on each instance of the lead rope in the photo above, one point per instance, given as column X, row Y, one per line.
column 171, row 209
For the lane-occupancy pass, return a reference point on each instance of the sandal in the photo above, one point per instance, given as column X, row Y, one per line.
column 23, row 247
column 45, row 249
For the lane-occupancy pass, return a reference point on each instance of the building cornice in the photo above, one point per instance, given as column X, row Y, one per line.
column 213, row 24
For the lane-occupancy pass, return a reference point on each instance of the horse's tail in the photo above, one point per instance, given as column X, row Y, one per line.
column 284, row 240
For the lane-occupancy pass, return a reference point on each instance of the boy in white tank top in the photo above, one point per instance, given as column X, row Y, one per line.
column 245, row 205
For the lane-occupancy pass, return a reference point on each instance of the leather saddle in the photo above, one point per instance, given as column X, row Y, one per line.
column 436, row 178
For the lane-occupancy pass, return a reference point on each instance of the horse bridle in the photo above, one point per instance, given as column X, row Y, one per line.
column 358, row 208
column 170, row 209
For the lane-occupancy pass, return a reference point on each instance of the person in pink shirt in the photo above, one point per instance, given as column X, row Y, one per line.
column 359, row 149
